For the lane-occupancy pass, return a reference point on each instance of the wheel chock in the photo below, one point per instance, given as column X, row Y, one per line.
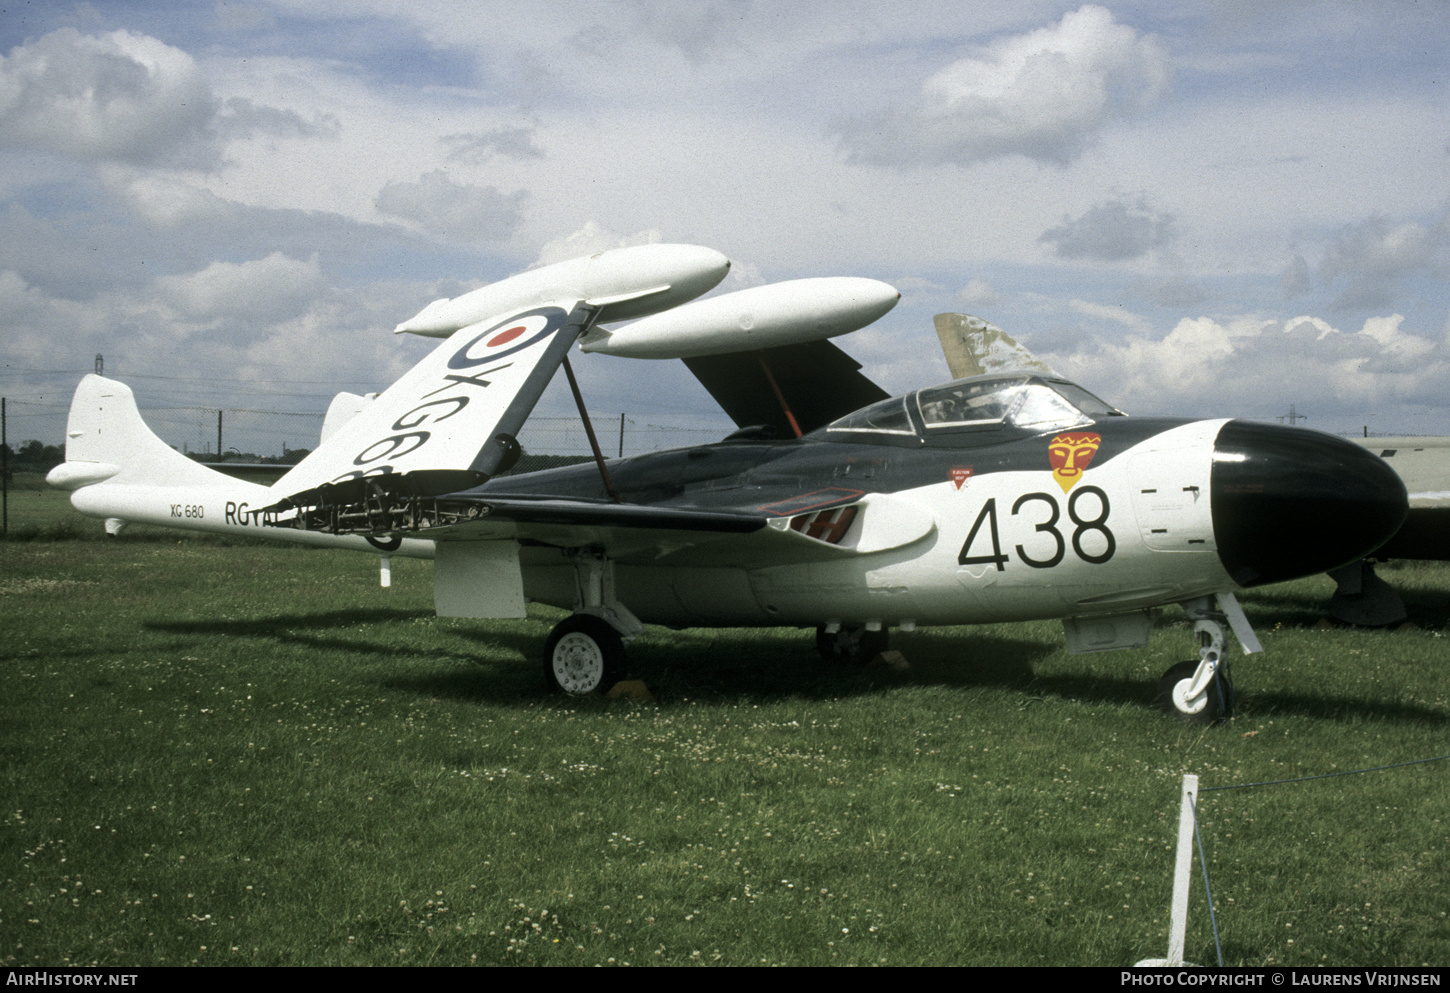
column 630, row 689
column 891, row 660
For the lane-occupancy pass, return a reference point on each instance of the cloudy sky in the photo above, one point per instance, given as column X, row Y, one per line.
column 1212, row 208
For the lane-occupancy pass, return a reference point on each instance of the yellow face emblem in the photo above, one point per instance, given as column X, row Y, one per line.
column 1070, row 454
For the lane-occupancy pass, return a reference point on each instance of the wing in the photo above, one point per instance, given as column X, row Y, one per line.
column 820, row 525
column 450, row 422
column 814, row 381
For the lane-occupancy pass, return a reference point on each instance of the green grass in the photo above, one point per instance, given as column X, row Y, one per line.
column 34, row 511
column 251, row 754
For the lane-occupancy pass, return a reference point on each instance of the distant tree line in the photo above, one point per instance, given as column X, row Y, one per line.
column 32, row 456
column 290, row 456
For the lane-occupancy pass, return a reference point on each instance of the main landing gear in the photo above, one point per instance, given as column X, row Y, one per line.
column 585, row 651
column 1202, row 692
column 583, row 655
column 851, row 645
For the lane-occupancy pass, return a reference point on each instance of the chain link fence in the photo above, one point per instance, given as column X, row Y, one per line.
column 280, row 435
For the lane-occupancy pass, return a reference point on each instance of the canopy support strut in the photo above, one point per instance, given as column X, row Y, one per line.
column 589, row 430
column 779, row 396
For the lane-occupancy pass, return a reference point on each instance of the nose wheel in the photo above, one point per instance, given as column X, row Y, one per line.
column 1179, row 694
column 1202, row 692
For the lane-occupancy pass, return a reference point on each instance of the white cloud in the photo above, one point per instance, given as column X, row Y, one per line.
column 1396, row 344
column 1112, row 231
column 1254, row 367
column 163, row 201
column 1044, row 95
column 458, row 212
column 1374, row 256
column 695, row 29
column 264, row 289
column 1120, row 315
column 128, row 98
column 509, row 142
column 120, row 96
column 977, row 293
column 19, row 302
column 711, row 125
column 1322, row 326
column 591, row 239
column 916, row 284
column 742, row 276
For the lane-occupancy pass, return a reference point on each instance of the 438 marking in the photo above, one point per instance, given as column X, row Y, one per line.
column 1084, row 526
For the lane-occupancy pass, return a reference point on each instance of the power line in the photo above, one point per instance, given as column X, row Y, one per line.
column 12, row 371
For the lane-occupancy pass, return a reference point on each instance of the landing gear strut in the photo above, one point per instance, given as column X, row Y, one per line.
column 585, row 652
column 1363, row 599
column 851, row 645
column 1202, row 692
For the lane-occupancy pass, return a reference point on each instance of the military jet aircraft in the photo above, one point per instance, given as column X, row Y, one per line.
column 974, row 347
column 834, row 507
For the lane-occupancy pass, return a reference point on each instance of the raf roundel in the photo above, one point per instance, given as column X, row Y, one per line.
column 509, row 336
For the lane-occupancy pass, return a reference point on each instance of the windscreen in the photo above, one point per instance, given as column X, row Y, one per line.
column 886, row 417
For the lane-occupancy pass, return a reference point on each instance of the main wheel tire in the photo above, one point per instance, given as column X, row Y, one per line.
column 1214, row 704
column 583, row 655
column 851, row 646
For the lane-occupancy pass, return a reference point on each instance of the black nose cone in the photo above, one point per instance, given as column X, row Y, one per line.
column 1290, row 502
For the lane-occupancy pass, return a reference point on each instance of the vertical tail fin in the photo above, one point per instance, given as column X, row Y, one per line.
column 106, row 439
column 974, row 347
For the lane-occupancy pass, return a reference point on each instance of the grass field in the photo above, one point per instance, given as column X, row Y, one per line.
column 223, row 754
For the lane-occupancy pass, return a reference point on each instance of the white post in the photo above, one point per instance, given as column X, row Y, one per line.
column 386, row 564
column 1182, row 878
column 1182, row 872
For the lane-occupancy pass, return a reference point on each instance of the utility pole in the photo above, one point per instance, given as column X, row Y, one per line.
column 1292, row 417
column 218, row 435
column 4, row 469
column 100, row 365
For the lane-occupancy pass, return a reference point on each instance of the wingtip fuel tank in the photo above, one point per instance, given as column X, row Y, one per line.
column 628, row 283
column 787, row 313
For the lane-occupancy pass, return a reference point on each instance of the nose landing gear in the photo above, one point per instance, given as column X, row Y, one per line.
column 1202, row 692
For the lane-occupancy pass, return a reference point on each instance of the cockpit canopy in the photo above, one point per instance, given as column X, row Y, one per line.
column 978, row 410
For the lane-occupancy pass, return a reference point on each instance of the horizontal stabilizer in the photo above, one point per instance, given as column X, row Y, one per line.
column 344, row 407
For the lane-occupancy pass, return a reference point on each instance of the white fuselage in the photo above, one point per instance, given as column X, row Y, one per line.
column 1132, row 533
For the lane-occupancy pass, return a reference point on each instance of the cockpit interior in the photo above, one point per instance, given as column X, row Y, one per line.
column 977, row 411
